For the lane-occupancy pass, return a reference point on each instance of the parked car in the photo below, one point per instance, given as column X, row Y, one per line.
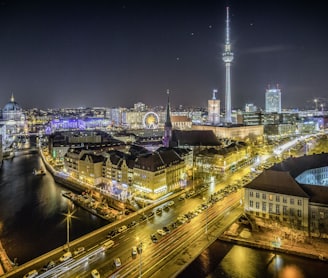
column 31, row 274
column 49, row 265
column 161, row 232
column 122, row 229
column 95, row 273
column 153, row 238
column 134, row 251
column 79, row 251
column 66, row 256
column 117, row 262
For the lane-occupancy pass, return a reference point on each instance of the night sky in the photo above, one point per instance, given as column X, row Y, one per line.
column 57, row 54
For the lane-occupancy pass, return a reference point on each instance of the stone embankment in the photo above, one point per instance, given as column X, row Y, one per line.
column 265, row 238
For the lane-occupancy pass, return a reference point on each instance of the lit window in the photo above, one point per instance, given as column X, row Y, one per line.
column 270, row 197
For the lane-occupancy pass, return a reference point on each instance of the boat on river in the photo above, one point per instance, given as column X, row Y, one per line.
column 39, row 172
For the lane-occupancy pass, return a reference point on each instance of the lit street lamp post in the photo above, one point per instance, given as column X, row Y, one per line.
column 206, row 216
column 139, row 250
column 69, row 216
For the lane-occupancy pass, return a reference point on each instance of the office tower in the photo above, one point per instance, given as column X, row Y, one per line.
column 273, row 100
column 213, row 110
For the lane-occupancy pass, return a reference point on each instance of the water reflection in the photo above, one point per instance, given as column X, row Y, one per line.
column 31, row 207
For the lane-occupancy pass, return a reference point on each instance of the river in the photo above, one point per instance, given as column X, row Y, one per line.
column 32, row 209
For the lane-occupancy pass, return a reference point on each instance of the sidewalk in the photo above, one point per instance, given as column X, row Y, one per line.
column 314, row 248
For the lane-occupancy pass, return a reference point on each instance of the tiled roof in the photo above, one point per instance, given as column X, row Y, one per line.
column 318, row 194
column 277, row 182
column 195, row 138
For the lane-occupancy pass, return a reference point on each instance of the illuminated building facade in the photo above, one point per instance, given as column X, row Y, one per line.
column 213, row 108
column 273, row 100
column 293, row 193
column 14, row 120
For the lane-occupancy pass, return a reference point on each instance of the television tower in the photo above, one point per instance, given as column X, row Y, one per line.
column 227, row 58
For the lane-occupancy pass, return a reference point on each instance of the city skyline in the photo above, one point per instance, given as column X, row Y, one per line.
column 95, row 53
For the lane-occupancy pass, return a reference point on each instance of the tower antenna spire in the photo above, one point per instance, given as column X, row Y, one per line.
column 227, row 58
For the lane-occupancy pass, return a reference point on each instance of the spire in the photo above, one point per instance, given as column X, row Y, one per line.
column 168, row 116
column 12, row 99
column 168, row 123
column 227, row 28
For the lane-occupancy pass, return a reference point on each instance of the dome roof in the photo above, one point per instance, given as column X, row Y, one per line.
column 12, row 106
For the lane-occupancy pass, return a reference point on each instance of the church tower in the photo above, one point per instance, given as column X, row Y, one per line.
column 168, row 124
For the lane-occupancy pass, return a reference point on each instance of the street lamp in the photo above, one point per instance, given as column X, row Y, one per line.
column 139, row 250
column 68, row 216
column 206, row 215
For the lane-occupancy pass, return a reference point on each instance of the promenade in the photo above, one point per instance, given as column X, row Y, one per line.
column 266, row 238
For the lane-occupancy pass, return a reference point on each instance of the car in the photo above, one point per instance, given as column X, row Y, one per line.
column 95, row 273
column 142, row 218
column 132, row 224
column 112, row 233
column 134, row 251
column 166, row 207
column 49, row 265
column 166, row 229
column 108, row 244
column 150, row 215
column 170, row 204
column 32, row 273
column 153, row 238
column 159, row 211
column 117, row 262
column 66, row 256
column 161, row 232
column 79, row 251
column 122, row 229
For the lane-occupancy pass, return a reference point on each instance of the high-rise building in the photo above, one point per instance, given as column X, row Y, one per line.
column 168, row 124
column 213, row 109
column 227, row 58
column 273, row 100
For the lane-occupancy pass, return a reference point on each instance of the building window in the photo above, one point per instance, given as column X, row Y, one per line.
column 270, row 197
column 322, row 215
column 291, row 212
column 270, row 207
column 263, row 196
column 264, row 206
column 291, row 201
column 284, row 200
column 257, row 195
column 251, row 194
column 299, row 202
column 257, row 204
column 313, row 214
column 251, row 203
column 284, row 209
column 277, row 209
column 299, row 213
column 277, row 198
